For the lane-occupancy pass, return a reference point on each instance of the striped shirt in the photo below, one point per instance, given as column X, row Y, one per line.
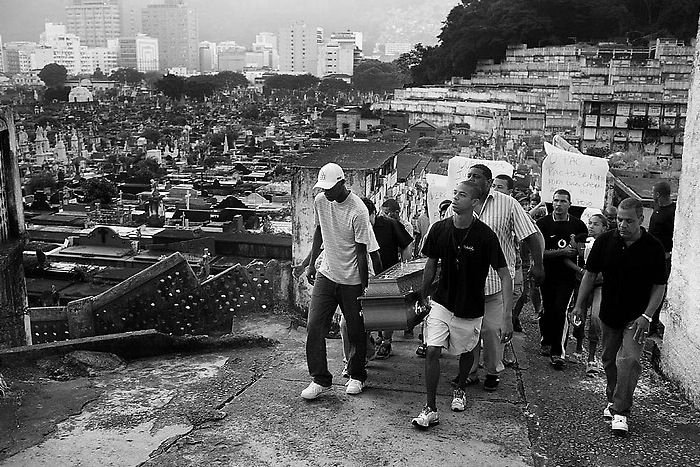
column 507, row 219
column 342, row 226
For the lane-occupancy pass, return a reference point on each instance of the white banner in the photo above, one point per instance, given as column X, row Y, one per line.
column 438, row 191
column 583, row 176
column 458, row 168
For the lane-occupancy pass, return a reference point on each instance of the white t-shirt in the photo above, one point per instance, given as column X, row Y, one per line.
column 342, row 226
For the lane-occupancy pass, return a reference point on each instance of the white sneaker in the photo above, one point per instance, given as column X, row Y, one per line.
column 619, row 425
column 354, row 387
column 314, row 390
column 428, row 417
column 459, row 401
column 607, row 415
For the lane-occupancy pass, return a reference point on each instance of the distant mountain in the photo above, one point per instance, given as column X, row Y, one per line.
column 381, row 21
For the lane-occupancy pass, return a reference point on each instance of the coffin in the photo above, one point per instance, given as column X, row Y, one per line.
column 391, row 297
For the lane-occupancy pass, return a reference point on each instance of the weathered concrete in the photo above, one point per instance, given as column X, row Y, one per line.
column 681, row 349
column 242, row 407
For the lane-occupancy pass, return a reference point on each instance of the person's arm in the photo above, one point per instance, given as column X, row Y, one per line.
column 507, row 292
column 535, row 242
column 641, row 324
column 428, row 277
column 361, row 252
column 587, row 283
column 376, row 261
column 315, row 251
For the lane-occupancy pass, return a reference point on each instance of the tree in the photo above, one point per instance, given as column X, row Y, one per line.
column 291, row 82
column 39, row 182
column 53, row 75
column 231, row 79
column 199, row 87
column 171, row 86
column 99, row 189
column 141, row 170
column 373, row 75
column 333, row 86
column 127, row 76
column 151, row 134
column 479, row 29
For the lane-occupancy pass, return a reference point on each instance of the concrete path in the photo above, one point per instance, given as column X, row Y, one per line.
column 242, row 407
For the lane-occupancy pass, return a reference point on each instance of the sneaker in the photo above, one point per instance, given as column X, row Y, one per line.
column 545, row 350
column 558, row 363
column 459, row 401
column 354, row 386
column 619, row 425
column 422, row 350
column 427, row 418
column 607, row 414
column 383, row 351
column 491, row 383
column 591, row 369
column 471, row 381
column 314, row 390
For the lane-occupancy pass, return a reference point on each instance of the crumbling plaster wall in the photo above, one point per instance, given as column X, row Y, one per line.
column 681, row 346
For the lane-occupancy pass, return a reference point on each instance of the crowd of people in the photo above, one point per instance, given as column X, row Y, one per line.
column 487, row 255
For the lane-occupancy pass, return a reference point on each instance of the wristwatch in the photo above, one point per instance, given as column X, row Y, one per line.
column 646, row 317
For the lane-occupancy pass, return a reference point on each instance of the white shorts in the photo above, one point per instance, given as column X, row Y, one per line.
column 444, row 329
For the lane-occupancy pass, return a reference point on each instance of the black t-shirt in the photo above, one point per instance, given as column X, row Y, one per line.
column 465, row 256
column 557, row 235
column 391, row 237
column 629, row 273
column 661, row 225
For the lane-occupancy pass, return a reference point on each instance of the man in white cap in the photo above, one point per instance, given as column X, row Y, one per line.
column 343, row 228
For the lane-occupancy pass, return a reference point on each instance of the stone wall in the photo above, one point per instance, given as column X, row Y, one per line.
column 13, row 293
column 169, row 298
column 681, row 316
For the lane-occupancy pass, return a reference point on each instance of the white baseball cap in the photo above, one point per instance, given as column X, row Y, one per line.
column 329, row 175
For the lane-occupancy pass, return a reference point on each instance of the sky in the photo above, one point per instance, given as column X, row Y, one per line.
column 410, row 21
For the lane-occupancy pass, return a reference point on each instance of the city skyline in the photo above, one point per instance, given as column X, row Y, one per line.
column 411, row 21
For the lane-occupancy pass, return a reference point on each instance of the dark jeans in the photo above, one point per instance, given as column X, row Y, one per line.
column 325, row 298
column 621, row 355
column 553, row 321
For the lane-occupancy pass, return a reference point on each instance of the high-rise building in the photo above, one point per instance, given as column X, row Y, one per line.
column 337, row 56
column 66, row 47
column 2, row 57
column 104, row 58
column 18, row 57
column 298, row 48
column 94, row 21
column 208, row 57
column 265, row 46
column 231, row 56
column 139, row 52
column 175, row 26
column 130, row 12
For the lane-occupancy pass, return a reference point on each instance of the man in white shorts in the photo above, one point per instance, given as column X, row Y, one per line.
column 465, row 248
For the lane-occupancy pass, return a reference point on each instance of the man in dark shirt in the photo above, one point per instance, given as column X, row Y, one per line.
column 661, row 227
column 465, row 248
column 634, row 281
column 560, row 265
column 393, row 240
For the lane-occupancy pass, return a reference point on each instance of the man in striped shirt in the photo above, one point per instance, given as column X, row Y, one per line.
column 507, row 219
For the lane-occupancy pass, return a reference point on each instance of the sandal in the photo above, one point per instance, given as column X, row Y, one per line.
column 383, row 351
column 471, row 381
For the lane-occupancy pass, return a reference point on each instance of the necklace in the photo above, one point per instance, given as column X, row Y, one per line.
column 459, row 246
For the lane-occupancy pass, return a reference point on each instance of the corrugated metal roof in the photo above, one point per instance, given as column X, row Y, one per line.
column 352, row 155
